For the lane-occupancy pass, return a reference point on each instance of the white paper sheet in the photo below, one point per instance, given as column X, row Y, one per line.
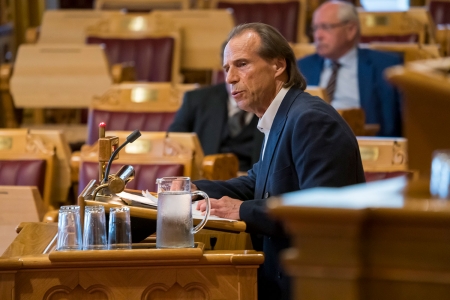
column 153, row 201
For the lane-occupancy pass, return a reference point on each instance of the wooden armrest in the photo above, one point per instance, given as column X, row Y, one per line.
column 355, row 118
column 51, row 216
column 6, row 70
column 32, row 35
column 123, row 72
column 75, row 166
column 220, row 166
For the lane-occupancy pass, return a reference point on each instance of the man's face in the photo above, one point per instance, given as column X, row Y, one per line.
column 332, row 37
column 251, row 78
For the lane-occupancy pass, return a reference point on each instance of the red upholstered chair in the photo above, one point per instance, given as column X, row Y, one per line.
column 152, row 46
column 25, row 161
column 439, row 11
column 23, row 172
column 130, row 106
column 76, row 4
column 152, row 57
column 288, row 16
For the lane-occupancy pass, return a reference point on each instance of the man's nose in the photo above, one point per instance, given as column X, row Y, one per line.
column 318, row 34
column 231, row 76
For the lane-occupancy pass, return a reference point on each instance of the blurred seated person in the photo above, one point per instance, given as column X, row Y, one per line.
column 353, row 77
column 220, row 125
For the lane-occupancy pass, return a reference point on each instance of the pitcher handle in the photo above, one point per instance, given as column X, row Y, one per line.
column 208, row 208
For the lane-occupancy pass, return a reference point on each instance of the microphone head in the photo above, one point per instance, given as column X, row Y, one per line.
column 133, row 136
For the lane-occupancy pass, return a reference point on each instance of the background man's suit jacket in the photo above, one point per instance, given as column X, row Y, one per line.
column 205, row 112
column 379, row 99
column 309, row 145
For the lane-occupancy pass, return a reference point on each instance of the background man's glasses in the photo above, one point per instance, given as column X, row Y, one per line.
column 327, row 27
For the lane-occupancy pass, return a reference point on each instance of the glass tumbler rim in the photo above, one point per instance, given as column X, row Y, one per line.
column 69, row 208
column 119, row 209
column 169, row 178
column 94, row 208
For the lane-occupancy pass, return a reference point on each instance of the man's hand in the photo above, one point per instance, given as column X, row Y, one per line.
column 224, row 207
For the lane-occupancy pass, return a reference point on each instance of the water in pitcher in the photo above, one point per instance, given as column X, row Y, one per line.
column 174, row 222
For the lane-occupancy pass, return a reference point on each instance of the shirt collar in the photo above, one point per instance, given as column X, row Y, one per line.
column 265, row 122
column 346, row 59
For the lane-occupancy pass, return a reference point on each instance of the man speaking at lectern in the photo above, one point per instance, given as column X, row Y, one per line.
column 307, row 143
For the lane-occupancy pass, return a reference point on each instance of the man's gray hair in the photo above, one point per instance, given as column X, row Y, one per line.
column 347, row 12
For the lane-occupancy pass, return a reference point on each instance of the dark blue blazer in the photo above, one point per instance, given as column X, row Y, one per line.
column 205, row 112
column 309, row 145
column 379, row 100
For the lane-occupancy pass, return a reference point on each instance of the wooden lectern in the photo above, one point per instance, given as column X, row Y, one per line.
column 426, row 89
column 143, row 272
column 384, row 240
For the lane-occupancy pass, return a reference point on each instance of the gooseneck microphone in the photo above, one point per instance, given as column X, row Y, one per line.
column 130, row 139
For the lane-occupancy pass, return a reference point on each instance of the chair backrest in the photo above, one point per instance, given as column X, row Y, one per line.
column 153, row 155
column 59, row 76
column 203, row 34
column 384, row 158
column 425, row 86
column 318, row 91
column 391, row 27
column 409, row 52
column 63, row 26
column 151, row 46
column 303, row 49
column 439, row 11
column 142, row 5
column 61, row 182
column 288, row 16
column 130, row 106
column 27, row 161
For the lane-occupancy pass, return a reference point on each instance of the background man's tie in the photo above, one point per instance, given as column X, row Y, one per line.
column 331, row 86
column 237, row 122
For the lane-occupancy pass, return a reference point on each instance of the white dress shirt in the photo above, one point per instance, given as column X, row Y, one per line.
column 266, row 121
column 346, row 94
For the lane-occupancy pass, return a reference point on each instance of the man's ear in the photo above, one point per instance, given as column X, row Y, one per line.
column 352, row 31
column 279, row 66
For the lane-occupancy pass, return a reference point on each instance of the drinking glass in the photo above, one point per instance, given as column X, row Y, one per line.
column 94, row 237
column 440, row 174
column 69, row 228
column 119, row 234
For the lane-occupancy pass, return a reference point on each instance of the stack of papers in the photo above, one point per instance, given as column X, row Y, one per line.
column 152, row 201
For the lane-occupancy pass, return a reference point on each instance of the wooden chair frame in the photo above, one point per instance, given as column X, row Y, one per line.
column 397, row 23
